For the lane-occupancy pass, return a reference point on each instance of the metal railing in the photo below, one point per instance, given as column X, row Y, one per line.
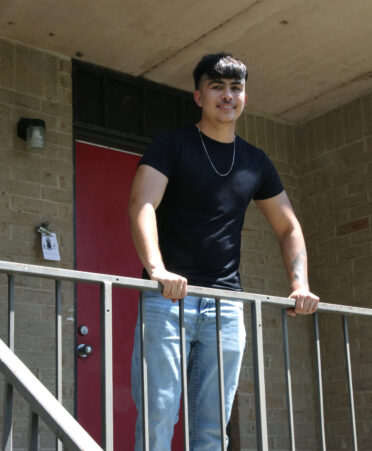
column 42, row 404
column 107, row 282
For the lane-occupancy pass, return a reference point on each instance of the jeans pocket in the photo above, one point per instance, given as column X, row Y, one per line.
column 156, row 303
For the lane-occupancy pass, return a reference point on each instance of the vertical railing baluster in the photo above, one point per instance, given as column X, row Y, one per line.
column 7, row 439
column 349, row 381
column 58, row 320
column 259, row 376
column 33, row 431
column 320, row 381
column 288, row 379
column 11, row 312
column 185, row 403
column 107, row 418
column 7, row 442
column 144, row 381
column 221, row 384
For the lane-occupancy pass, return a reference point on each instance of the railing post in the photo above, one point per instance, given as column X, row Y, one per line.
column 349, row 381
column 185, row 402
column 58, row 319
column 144, row 384
column 221, row 385
column 320, row 381
column 107, row 417
column 7, row 439
column 288, row 379
column 33, row 431
column 11, row 312
column 259, row 376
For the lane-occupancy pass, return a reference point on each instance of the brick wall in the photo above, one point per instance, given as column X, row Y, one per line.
column 262, row 271
column 335, row 167
column 36, row 187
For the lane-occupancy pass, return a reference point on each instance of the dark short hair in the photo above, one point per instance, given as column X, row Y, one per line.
column 219, row 65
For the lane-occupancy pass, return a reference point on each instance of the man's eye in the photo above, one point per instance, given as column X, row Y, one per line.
column 237, row 88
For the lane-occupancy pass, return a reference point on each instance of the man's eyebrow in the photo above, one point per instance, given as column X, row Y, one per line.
column 222, row 82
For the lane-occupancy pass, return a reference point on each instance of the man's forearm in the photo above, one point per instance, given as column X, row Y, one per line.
column 145, row 236
column 295, row 258
column 281, row 217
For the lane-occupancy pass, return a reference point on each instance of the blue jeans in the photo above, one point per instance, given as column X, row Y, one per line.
column 164, row 372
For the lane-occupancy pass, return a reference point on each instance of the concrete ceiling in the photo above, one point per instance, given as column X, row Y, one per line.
column 304, row 57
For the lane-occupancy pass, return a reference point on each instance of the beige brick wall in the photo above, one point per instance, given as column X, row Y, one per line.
column 262, row 271
column 335, row 167
column 36, row 187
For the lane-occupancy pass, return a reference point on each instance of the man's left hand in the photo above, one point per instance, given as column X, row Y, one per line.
column 306, row 302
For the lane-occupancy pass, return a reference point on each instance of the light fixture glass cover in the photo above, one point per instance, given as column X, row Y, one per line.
column 35, row 137
column 33, row 131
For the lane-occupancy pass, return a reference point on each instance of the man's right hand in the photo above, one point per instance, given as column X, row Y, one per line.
column 174, row 285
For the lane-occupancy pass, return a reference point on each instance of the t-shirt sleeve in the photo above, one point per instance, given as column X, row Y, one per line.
column 271, row 184
column 162, row 154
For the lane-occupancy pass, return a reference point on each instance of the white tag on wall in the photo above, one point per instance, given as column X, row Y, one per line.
column 49, row 244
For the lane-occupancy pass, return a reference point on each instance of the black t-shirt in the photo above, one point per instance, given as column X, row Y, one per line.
column 201, row 214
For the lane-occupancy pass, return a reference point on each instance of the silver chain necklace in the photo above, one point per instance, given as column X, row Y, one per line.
column 209, row 158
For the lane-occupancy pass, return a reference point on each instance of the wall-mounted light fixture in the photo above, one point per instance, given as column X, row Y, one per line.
column 32, row 131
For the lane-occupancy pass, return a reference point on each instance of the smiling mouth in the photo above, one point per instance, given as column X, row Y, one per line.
column 226, row 106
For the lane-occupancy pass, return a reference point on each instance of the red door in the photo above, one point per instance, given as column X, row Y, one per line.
column 103, row 244
column 103, row 179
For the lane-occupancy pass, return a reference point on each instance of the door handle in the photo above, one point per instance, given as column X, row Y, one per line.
column 83, row 350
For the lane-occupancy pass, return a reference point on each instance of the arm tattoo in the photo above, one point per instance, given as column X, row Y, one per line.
column 298, row 267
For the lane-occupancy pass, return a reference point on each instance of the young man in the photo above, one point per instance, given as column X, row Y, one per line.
column 187, row 208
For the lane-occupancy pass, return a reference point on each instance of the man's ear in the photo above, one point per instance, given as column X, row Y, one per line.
column 245, row 99
column 197, row 97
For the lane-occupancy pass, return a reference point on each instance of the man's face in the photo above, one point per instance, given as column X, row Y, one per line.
column 222, row 100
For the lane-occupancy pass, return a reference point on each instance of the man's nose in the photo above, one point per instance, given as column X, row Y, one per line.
column 227, row 94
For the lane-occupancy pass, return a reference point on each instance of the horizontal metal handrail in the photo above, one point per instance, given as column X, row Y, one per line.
column 141, row 284
column 43, row 403
column 256, row 302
